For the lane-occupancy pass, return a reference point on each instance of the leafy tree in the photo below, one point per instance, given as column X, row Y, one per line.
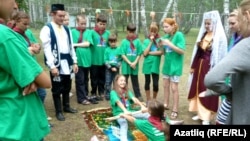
column 22, row 4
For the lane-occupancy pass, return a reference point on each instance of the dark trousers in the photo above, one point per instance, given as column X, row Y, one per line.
column 80, row 81
column 63, row 87
column 97, row 76
column 155, row 78
column 135, row 84
column 109, row 78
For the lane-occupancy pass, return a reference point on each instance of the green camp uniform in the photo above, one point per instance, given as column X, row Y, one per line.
column 173, row 61
column 98, row 47
column 23, row 118
column 112, row 57
column 131, row 55
column 152, row 133
column 83, row 53
column 116, row 110
column 31, row 36
column 151, row 63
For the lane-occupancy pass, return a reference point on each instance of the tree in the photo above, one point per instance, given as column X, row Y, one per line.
column 226, row 13
column 143, row 18
column 166, row 10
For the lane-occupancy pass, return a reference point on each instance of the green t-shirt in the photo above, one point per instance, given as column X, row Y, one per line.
column 98, row 47
column 31, row 36
column 152, row 133
column 173, row 61
column 131, row 55
column 151, row 63
column 22, row 118
column 116, row 110
column 112, row 57
column 83, row 53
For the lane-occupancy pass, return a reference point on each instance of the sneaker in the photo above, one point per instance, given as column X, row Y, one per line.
column 99, row 98
column 195, row 117
column 49, row 118
column 176, row 122
column 205, row 122
column 93, row 101
column 50, row 125
column 71, row 94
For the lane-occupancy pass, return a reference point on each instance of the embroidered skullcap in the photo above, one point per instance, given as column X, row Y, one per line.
column 55, row 7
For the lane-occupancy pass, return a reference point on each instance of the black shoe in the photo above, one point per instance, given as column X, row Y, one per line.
column 99, row 98
column 60, row 116
column 50, row 125
column 93, row 101
column 107, row 97
column 70, row 110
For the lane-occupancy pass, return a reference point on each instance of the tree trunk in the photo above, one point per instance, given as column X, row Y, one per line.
column 30, row 11
column 176, row 14
column 143, row 18
column 166, row 10
column 132, row 11
column 226, row 13
column 137, row 22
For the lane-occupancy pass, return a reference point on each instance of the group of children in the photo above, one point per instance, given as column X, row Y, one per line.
column 97, row 51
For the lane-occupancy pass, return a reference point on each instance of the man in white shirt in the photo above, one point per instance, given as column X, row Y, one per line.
column 60, row 57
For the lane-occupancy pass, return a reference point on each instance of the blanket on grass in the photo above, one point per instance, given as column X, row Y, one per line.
column 109, row 130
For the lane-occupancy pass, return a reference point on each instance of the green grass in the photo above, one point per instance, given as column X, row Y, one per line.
column 75, row 129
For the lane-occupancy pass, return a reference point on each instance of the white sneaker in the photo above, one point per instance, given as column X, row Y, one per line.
column 71, row 94
column 49, row 118
column 176, row 122
column 195, row 117
column 205, row 122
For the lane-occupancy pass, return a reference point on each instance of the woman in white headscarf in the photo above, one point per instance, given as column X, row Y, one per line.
column 210, row 48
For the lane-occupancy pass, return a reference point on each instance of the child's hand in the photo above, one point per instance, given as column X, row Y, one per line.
column 152, row 37
column 133, row 65
column 114, row 69
column 202, row 94
column 30, row 88
column 127, row 113
column 166, row 42
column 144, row 109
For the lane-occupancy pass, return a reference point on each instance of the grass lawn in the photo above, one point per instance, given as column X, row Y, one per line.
column 74, row 127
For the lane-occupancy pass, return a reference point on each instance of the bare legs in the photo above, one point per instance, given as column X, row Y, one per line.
column 174, row 89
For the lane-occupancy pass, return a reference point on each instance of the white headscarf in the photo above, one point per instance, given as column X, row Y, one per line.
column 219, row 45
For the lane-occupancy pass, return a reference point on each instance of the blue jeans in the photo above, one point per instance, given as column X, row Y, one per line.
column 41, row 93
column 109, row 78
column 124, row 125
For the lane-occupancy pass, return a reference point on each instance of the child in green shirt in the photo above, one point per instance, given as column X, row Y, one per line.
column 97, row 71
column 174, row 46
column 21, row 108
column 81, row 42
column 113, row 62
column 156, row 128
column 131, row 50
column 152, row 52
column 121, row 101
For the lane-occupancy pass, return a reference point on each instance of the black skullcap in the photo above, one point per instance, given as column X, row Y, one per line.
column 55, row 7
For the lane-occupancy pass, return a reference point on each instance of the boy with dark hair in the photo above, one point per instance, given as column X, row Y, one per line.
column 131, row 50
column 97, row 71
column 61, row 59
column 113, row 62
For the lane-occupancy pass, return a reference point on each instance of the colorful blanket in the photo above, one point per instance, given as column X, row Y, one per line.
column 109, row 130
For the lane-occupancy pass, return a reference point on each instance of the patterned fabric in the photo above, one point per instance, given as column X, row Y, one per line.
column 108, row 130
